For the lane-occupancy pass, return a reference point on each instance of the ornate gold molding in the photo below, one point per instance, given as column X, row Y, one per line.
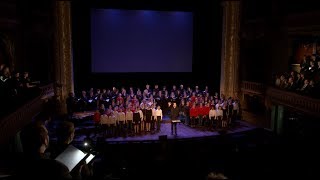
column 63, row 53
column 229, row 83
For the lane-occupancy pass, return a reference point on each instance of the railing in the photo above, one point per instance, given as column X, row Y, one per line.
column 47, row 91
column 14, row 122
column 273, row 95
column 295, row 101
column 253, row 88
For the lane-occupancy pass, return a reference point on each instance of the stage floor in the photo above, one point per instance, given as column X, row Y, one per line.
column 184, row 132
column 83, row 123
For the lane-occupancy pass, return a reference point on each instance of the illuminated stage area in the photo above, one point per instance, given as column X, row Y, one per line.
column 85, row 125
column 184, row 133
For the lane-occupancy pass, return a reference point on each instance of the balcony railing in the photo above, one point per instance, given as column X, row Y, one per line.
column 47, row 91
column 253, row 88
column 14, row 122
column 295, row 101
column 273, row 95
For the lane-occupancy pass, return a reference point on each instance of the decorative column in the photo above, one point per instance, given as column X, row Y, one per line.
column 229, row 82
column 63, row 61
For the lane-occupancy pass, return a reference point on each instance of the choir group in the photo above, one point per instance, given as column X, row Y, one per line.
column 119, row 113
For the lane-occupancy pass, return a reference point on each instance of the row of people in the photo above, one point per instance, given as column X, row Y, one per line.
column 306, row 81
column 14, row 90
column 298, row 82
column 119, row 123
column 123, row 100
column 148, row 91
column 92, row 99
column 136, row 119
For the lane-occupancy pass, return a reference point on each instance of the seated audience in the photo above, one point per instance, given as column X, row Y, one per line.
column 35, row 141
column 307, row 82
column 13, row 90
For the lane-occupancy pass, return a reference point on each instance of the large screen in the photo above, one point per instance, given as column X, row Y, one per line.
column 141, row 41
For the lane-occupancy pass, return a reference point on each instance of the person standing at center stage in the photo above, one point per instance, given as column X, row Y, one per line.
column 174, row 115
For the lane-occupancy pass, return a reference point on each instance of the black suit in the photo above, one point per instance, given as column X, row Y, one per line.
column 174, row 116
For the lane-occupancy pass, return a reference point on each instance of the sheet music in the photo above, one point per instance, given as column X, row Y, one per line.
column 71, row 157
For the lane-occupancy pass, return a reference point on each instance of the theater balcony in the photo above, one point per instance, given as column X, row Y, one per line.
column 11, row 124
column 296, row 102
column 278, row 110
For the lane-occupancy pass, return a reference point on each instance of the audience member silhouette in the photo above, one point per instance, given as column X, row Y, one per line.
column 35, row 141
column 65, row 134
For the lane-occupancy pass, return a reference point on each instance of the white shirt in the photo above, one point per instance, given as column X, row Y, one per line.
column 104, row 119
column 212, row 113
column 158, row 112
column 121, row 116
column 129, row 115
column 116, row 116
column 219, row 112
column 112, row 119
column 154, row 112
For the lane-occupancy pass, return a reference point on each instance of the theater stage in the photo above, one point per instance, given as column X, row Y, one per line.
column 85, row 124
column 184, row 132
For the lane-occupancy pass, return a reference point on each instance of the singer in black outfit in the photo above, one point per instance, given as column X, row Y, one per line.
column 174, row 116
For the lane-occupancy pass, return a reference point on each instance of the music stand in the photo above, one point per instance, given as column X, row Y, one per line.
column 174, row 123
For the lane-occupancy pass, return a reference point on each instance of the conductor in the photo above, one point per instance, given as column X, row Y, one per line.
column 174, row 116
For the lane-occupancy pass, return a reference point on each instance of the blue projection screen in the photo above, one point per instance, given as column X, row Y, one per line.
column 141, row 41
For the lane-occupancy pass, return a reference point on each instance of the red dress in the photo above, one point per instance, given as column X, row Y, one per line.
column 96, row 117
